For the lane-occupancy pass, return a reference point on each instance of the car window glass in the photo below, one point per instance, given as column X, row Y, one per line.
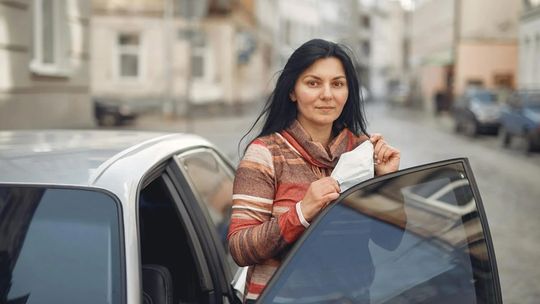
column 212, row 182
column 457, row 196
column 484, row 97
column 380, row 244
column 59, row 246
column 428, row 188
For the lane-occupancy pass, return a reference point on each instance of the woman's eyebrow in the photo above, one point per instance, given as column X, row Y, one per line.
column 312, row 76
column 319, row 78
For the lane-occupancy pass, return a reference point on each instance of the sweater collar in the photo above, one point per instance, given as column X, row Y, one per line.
column 314, row 152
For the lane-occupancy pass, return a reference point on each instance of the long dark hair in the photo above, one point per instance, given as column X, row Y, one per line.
column 280, row 111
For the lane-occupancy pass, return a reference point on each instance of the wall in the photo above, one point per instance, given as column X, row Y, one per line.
column 529, row 51
column 105, row 79
column 29, row 100
column 489, row 20
column 484, row 61
column 432, row 30
column 432, row 79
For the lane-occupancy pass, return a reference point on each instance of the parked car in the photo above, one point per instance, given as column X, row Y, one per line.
column 110, row 113
column 521, row 118
column 141, row 217
column 477, row 111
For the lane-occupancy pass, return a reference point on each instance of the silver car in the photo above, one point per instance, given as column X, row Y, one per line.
column 140, row 217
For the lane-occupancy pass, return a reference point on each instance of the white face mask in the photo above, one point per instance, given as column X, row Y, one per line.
column 354, row 166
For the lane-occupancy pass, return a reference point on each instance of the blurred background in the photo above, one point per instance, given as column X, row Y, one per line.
column 440, row 79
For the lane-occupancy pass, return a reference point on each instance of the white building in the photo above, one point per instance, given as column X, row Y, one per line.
column 151, row 53
column 299, row 22
column 529, row 45
column 44, row 54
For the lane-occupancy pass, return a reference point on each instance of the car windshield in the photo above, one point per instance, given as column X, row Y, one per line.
column 380, row 244
column 59, row 246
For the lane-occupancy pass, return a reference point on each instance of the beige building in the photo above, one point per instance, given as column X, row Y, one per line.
column 44, row 70
column 148, row 53
column 458, row 43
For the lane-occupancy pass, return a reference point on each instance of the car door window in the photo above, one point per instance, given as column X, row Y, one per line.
column 212, row 182
column 383, row 243
column 60, row 246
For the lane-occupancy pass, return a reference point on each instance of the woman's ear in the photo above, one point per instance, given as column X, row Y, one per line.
column 292, row 96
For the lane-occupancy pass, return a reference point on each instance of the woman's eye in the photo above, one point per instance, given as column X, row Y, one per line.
column 339, row 84
column 312, row 83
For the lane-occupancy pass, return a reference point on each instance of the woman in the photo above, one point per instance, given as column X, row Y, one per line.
column 283, row 181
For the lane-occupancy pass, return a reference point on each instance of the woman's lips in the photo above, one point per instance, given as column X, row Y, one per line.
column 325, row 108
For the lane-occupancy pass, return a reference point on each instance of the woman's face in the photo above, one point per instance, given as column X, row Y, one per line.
column 320, row 93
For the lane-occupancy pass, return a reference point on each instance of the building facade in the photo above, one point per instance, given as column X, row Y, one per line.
column 44, row 64
column 456, row 44
column 529, row 45
column 386, row 47
column 166, row 54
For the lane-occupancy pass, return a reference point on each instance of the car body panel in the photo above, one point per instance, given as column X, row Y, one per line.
column 521, row 117
column 110, row 161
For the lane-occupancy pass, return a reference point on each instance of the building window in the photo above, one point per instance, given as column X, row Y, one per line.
column 129, row 57
column 200, row 56
column 50, row 52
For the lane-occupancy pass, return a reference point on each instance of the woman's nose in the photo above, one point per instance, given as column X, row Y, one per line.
column 326, row 93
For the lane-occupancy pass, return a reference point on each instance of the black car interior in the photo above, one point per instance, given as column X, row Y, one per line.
column 166, row 247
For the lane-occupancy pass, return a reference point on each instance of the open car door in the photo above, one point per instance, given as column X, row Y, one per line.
column 419, row 235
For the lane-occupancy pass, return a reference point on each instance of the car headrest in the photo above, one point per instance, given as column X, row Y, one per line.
column 157, row 285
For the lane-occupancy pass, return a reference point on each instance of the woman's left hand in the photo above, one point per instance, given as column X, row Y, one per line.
column 386, row 157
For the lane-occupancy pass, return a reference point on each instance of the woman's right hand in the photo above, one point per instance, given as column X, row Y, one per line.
column 319, row 194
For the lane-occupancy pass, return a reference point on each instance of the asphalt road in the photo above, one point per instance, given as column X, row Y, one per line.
column 508, row 180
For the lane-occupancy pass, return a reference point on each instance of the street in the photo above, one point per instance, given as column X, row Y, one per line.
column 507, row 178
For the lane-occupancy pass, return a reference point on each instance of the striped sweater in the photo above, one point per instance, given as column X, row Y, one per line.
column 271, row 179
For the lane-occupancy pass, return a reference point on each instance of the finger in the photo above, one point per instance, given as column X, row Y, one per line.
column 394, row 154
column 375, row 137
column 377, row 150
column 330, row 197
column 330, row 184
column 386, row 151
column 335, row 185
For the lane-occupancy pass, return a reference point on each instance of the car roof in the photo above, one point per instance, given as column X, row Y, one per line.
column 105, row 159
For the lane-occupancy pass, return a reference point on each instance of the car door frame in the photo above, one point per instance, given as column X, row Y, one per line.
column 476, row 195
column 207, row 254
column 210, row 243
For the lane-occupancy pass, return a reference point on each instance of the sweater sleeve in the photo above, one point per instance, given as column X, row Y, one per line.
column 254, row 234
